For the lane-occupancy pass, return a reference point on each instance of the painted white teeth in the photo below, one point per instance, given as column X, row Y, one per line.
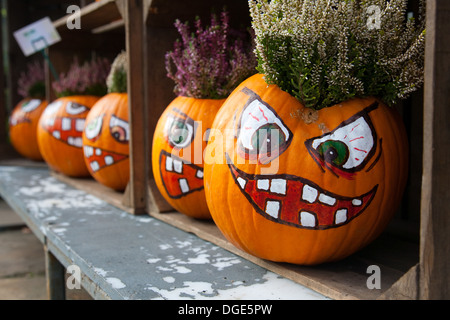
column 184, row 185
column 307, row 219
column 75, row 141
column 273, row 208
column 88, row 151
column 309, row 194
column 169, row 164
column 356, row 202
column 199, row 174
column 242, row 182
column 262, row 184
column 109, row 160
column 94, row 166
column 340, row 216
column 56, row 134
column 327, row 199
column 98, row 152
column 79, row 125
column 66, row 124
column 275, row 185
column 177, row 166
column 278, row 186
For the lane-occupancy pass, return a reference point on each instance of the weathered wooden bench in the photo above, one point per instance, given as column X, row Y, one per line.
column 123, row 256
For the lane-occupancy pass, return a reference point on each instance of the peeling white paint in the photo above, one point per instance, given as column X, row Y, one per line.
column 115, row 283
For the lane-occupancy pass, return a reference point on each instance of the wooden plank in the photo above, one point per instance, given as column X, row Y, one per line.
column 406, row 288
column 435, row 211
column 91, row 186
column 54, row 275
column 92, row 16
column 134, row 28
column 343, row 280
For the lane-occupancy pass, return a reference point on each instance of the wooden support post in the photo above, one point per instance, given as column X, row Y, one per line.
column 435, row 210
column 134, row 29
column 54, row 273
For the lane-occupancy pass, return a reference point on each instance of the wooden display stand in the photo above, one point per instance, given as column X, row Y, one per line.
column 413, row 257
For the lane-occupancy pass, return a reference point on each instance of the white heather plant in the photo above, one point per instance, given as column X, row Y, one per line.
column 324, row 52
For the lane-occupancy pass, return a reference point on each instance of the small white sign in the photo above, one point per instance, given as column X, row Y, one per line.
column 37, row 36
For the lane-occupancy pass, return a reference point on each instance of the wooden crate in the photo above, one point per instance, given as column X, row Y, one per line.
column 413, row 253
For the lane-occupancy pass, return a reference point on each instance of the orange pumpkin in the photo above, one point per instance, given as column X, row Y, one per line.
column 60, row 134
column 23, row 124
column 105, row 141
column 177, row 153
column 304, row 192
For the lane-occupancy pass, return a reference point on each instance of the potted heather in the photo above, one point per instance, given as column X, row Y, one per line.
column 62, row 123
column 206, row 65
column 25, row 116
column 318, row 164
column 106, row 134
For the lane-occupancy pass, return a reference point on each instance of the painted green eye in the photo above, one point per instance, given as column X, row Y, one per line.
column 180, row 134
column 335, row 152
column 268, row 140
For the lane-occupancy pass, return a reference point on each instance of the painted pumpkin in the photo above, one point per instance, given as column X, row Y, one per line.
column 106, row 141
column 303, row 192
column 23, row 124
column 177, row 154
column 60, row 132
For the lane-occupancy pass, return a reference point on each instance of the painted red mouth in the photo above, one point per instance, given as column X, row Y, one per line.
column 67, row 130
column 179, row 177
column 298, row 202
column 100, row 158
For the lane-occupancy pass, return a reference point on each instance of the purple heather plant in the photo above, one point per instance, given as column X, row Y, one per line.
column 210, row 62
column 86, row 79
column 31, row 83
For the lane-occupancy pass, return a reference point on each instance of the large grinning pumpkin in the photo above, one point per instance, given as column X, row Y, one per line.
column 60, row 134
column 23, row 124
column 177, row 153
column 288, row 184
column 106, row 141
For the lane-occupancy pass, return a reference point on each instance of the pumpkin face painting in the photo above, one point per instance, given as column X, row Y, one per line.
column 23, row 123
column 106, row 141
column 60, row 134
column 307, row 187
column 177, row 155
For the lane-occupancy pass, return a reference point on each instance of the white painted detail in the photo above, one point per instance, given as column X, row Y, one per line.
column 66, row 124
column 95, row 166
column 79, row 125
column 169, row 164
column 184, row 185
column 178, row 166
column 273, row 208
column 278, row 186
column 109, row 160
column 327, row 199
column 356, row 202
column 242, row 182
column 56, row 134
column 309, row 194
column 341, row 216
column 307, row 219
column 88, row 151
column 262, row 184
column 199, row 174
column 98, row 152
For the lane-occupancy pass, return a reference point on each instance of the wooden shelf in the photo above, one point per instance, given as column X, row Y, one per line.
column 92, row 16
column 414, row 262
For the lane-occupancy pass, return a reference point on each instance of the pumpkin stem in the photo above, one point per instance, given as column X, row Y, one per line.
column 117, row 78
